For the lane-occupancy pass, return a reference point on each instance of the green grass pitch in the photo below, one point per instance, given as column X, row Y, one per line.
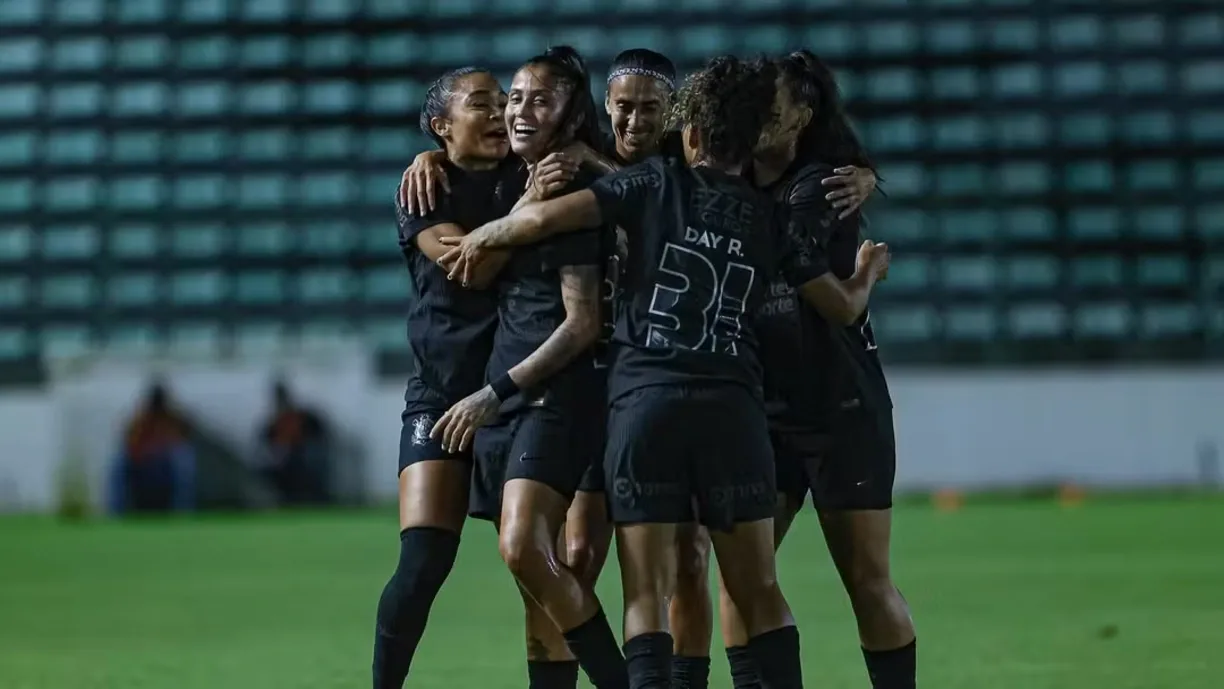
column 1115, row 594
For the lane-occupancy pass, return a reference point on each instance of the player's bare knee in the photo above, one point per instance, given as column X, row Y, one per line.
column 521, row 552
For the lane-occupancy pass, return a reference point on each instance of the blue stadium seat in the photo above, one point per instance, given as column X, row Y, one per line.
column 391, row 49
column 139, row 98
column 1036, row 320
column 950, row 36
column 1030, row 272
column 1209, row 173
column 1023, row 178
column 965, row 132
column 1168, row 320
column 1143, row 76
column 140, row 11
column 323, row 285
column 1028, row 222
column 75, row 100
column 698, row 43
column 326, row 238
column 967, row 178
column 136, row 192
column 266, row 144
column 263, row 287
column 1097, row 271
column 132, row 338
column 17, row 148
column 1103, row 320
column 388, row 284
column 1206, row 29
column 897, row 224
column 326, row 189
column 71, row 193
column 200, row 191
column 1152, row 175
column 1103, row 222
column 914, row 274
column 905, row 324
column 79, row 11
column 1149, row 127
column 211, row 52
column 905, row 179
column 332, row 97
column 970, row 273
column 396, row 96
column 1076, row 32
column 78, row 53
column 892, row 84
column 891, row 38
column 328, row 10
column 265, row 51
column 16, row 194
column 263, row 239
column 77, row 146
column 1209, row 220
column 971, row 322
column 65, row 340
column 195, row 338
column 16, row 243
column 1020, row 34
column 140, row 146
column 71, row 242
column 197, row 287
column 1159, row 222
column 325, row 144
column 399, row 144
column 14, row 342
column 389, row 333
column 266, row 190
column 20, row 12
column 264, row 11
column 1139, row 30
column 1081, row 78
column 1163, row 271
column 142, row 52
column 199, row 240
column 269, row 97
column 1204, row 76
column 20, row 55
column 900, row 133
column 133, row 241
column 1207, row 125
column 956, row 82
column 72, row 291
column 132, row 289
column 204, row 98
column 1021, row 130
column 969, row 224
column 832, row 39
column 201, row 145
column 14, row 291
column 393, row 8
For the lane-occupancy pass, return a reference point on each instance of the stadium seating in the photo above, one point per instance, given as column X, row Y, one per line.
column 202, row 172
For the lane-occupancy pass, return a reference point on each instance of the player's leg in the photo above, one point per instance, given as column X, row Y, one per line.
column 550, row 665
column 588, row 530
column 649, row 495
column 737, row 498
column 433, row 504
column 691, row 613
column 792, row 480
column 538, row 491
column 853, row 493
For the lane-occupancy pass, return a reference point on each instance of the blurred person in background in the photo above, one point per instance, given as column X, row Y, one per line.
column 295, row 453
column 549, row 380
column 830, row 411
column 155, row 469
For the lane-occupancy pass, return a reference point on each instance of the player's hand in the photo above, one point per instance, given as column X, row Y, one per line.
column 551, row 175
column 458, row 425
column 874, row 258
column 855, row 185
column 418, row 189
column 465, row 256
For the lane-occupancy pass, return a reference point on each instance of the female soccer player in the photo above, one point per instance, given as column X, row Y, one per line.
column 687, row 427
column 450, row 330
column 831, row 415
column 551, row 392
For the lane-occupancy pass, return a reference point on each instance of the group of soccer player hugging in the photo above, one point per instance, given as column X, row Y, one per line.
column 682, row 320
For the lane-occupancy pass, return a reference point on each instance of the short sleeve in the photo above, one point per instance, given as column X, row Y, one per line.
column 801, row 257
column 411, row 225
column 805, row 195
column 626, row 195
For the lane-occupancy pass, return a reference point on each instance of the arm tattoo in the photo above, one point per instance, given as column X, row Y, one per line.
column 580, row 292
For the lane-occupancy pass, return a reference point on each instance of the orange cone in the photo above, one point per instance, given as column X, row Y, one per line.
column 947, row 500
column 1070, row 495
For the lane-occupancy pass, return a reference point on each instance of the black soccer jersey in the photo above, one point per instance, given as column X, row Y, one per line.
column 812, row 366
column 450, row 328
column 530, row 307
column 703, row 247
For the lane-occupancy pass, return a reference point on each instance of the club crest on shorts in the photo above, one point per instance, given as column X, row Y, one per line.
column 421, row 426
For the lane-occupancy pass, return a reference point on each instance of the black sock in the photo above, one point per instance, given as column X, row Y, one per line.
column 648, row 657
column 594, row 645
column 895, row 669
column 426, row 557
column 743, row 668
column 552, row 674
column 690, row 672
column 777, row 658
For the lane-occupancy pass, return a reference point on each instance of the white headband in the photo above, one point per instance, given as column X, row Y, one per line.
column 642, row 72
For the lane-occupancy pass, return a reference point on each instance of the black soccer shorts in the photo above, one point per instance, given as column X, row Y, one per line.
column 672, row 446
column 795, row 450
column 859, row 466
column 415, row 443
column 544, row 443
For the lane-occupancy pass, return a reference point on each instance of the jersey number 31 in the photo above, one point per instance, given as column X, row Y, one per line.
column 706, row 319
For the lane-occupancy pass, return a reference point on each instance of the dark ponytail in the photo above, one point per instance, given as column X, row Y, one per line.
column 437, row 99
column 569, row 69
column 828, row 138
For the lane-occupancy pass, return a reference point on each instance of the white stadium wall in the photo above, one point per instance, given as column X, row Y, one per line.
column 980, row 429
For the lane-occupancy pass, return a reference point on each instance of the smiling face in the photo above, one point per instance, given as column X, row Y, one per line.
column 535, row 111
column 637, row 105
column 473, row 126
